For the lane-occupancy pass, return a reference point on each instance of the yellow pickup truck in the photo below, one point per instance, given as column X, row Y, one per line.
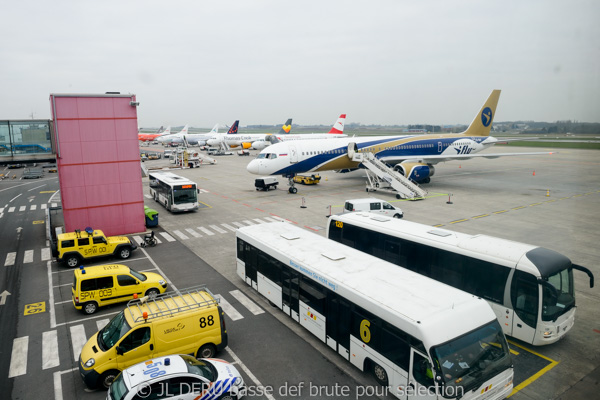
column 307, row 180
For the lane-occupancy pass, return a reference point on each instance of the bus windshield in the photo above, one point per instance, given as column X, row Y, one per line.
column 473, row 358
column 181, row 196
column 559, row 301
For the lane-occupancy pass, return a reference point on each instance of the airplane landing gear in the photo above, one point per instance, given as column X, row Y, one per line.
column 292, row 189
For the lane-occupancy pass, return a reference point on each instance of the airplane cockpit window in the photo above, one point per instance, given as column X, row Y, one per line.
column 261, row 155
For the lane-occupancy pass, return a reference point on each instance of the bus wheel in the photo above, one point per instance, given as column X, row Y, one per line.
column 206, row 351
column 380, row 374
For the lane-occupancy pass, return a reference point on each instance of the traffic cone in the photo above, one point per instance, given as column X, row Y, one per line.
column 533, row 172
column 548, row 193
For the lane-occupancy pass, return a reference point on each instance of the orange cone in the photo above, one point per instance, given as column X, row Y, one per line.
column 533, row 172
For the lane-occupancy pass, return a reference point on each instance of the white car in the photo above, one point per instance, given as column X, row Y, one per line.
column 181, row 377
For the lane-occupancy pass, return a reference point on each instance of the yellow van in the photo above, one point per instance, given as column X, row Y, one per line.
column 102, row 285
column 186, row 322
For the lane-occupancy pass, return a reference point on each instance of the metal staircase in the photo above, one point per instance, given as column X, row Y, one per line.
column 382, row 177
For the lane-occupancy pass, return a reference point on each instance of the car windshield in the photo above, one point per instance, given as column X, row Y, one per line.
column 113, row 331
column 184, row 196
column 473, row 358
column 562, row 299
column 118, row 389
column 138, row 275
column 199, row 367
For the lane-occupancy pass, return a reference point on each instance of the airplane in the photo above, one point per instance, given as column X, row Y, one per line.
column 411, row 155
column 245, row 141
column 149, row 137
column 336, row 131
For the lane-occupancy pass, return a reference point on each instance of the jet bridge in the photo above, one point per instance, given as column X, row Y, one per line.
column 381, row 177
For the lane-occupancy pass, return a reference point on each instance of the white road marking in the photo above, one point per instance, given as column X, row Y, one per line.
column 270, row 219
column 250, row 374
column 247, row 222
column 18, row 358
column 231, row 228
column 33, row 207
column 239, row 224
column 46, row 254
column 229, row 309
column 53, row 205
column 50, row 350
column 10, row 259
column 246, row 302
column 260, row 221
column 193, row 232
column 78, row 340
column 28, row 257
column 181, row 235
column 168, row 237
column 101, row 323
column 22, row 208
column 44, row 206
column 203, row 229
column 11, row 209
column 216, row 228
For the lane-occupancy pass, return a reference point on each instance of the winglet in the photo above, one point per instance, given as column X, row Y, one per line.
column 234, row 128
column 482, row 124
column 286, row 128
column 338, row 127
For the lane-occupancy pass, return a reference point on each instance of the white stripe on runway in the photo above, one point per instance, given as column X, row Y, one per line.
column 28, row 257
column 46, row 254
column 239, row 224
column 270, row 219
column 11, row 209
column 168, row 237
column 204, row 191
column 247, row 222
column 44, row 206
column 101, row 323
column 50, row 350
column 22, row 208
column 246, row 302
column 10, row 259
column 78, row 339
column 181, row 235
column 260, row 221
column 231, row 228
column 216, row 228
column 33, row 207
column 193, row 232
column 228, row 308
column 53, row 205
column 203, row 229
column 18, row 358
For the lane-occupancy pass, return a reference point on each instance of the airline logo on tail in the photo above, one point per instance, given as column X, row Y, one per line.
column 234, row 128
column 486, row 116
column 286, row 128
column 338, row 127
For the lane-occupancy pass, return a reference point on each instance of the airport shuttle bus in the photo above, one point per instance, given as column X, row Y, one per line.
column 173, row 191
column 420, row 338
column 530, row 288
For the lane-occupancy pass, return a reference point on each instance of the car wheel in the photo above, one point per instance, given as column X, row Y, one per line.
column 155, row 197
column 227, row 396
column 107, row 378
column 124, row 252
column 73, row 261
column 90, row 308
column 380, row 375
column 398, row 216
column 152, row 292
column 206, row 351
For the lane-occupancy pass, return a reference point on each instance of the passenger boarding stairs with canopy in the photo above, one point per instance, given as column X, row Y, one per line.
column 381, row 177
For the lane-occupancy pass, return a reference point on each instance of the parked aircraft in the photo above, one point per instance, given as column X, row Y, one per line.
column 245, row 141
column 192, row 138
column 149, row 137
column 336, row 131
column 412, row 156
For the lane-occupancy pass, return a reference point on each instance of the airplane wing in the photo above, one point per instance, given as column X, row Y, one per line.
column 442, row 158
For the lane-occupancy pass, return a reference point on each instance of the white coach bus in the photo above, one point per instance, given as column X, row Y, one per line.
column 420, row 338
column 174, row 192
column 529, row 288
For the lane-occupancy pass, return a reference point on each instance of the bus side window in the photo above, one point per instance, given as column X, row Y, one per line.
column 422, row 371
column 524, row 294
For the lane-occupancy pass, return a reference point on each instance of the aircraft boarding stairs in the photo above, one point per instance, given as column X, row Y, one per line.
column 382, row 177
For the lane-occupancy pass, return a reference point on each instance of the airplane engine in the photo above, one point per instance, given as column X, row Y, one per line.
column 417, row 172
column 260, row 144
column 246, row 145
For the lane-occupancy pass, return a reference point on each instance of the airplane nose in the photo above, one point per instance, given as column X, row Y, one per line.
column 253, row 167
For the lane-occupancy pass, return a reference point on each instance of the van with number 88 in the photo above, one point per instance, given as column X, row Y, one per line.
column 189, row 321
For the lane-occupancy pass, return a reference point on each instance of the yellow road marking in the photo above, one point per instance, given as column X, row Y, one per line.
column 38, row 222
column 481, row 216
column 459, row 220
column 518, row 208
column 35, row 308
column 535, row 376
column 500, row 212
column 534, row 204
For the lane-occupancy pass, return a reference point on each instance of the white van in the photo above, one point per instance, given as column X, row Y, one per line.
column 373, row 205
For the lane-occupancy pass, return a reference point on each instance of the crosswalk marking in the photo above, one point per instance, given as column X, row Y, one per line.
column 1, row 210
column 229, row 309
column 101, row 323
column 247, row 222
column 167, row 237
column 50, row 350
column 11, row 209
column 246, row 302
column 216, row 228
column 33, row 207
column 28, row 257
column 78, row 339
column 147, row 196
column 53, row 205
column 203, row 229
column 239, row 224
column 204, row 191
column 260, row 221
column 193, row 232
column 44, row 206
column 18, row 358
column 46, row 254
column 181, row 235
column 270, row 219
column 22, row 208
column 231, row 228
column 10, row 259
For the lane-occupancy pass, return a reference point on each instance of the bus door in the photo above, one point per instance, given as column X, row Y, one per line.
column 420, row 378
column 504, row 315
column 338, row 325
column 525, row 298
column 290, row 281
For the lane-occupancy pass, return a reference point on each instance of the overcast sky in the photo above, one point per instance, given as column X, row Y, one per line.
column 381, row 62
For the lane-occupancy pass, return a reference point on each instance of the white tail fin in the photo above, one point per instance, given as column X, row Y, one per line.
column 338, row 127
column 215, row 129
column 184, row 130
